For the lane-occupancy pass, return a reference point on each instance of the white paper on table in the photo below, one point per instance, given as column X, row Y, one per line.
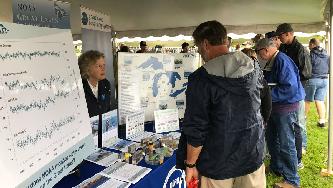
column 103, row 157
column 166, row 120
column 101, row 181
column 126, row 172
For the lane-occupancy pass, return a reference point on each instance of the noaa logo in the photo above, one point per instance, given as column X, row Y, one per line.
column 84, row 18
column 3, row 29
column 175, row 178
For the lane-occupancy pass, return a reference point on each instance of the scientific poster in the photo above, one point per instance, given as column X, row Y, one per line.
column 153, row 82
column 44, row 121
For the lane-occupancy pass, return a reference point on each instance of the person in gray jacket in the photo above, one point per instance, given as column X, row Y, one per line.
column 223, row 125
column 316, row 86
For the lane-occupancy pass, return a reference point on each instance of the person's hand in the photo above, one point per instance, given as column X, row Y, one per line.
column 191, row 173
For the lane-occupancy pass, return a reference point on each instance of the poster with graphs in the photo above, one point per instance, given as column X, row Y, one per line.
column 44, row 122
column 153, row 82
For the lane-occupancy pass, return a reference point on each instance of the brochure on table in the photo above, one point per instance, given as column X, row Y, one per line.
column 100, row 181
column 126, row 172
column 166, row 120
column 103, row 157
column 44, row 124
column 109, row 128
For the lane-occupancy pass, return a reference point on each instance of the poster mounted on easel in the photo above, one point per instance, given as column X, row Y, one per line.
column 44, row 121
column 153, row 82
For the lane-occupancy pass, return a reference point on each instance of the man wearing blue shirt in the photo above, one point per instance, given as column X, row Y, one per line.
column 286, row 94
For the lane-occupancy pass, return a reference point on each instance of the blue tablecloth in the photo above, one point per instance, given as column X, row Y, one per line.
column 164, row 175
column 161, row 176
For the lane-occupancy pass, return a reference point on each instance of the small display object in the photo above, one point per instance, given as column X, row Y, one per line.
column 126, row 172
column 103, row 157
column 155, row 150
column 100, row 181
column 166, row 120
column 135, row 123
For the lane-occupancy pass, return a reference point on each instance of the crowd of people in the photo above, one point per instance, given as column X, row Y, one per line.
column 237, row 104
column 229, row 118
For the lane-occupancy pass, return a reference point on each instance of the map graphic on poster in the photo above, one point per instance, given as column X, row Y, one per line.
column 44, row 122
column 153, row 82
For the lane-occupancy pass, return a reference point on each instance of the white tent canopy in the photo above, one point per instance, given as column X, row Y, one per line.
column 145, row 18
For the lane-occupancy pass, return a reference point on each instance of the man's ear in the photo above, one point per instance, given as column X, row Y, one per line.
column 206, row 44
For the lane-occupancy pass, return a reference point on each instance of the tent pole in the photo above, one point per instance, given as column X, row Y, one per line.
column 330, row 126
column 328, row 171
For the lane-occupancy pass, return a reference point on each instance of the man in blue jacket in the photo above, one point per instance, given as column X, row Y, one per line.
column 287, row 91
column 222, row 123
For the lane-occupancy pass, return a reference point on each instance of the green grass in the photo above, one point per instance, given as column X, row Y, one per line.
column 315, row 158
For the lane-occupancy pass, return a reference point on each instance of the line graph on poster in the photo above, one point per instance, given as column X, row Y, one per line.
column 41, row 104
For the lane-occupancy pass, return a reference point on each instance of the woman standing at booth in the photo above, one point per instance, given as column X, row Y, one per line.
column 96, row 86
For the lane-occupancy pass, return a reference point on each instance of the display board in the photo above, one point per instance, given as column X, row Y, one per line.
column 44, row 121
column 153, row 82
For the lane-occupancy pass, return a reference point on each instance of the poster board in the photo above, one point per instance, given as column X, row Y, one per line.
column 153, row 82
column 44, row 124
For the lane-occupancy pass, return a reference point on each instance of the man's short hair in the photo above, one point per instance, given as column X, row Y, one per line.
column 264, row 43
column 213, row 31
column 143, row 43
column 315, row 41
column 184, row 45
column 270, row 34
column 86, row 60
column 283, row 28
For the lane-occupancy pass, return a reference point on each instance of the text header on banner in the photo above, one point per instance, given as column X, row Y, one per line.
column 42, row 13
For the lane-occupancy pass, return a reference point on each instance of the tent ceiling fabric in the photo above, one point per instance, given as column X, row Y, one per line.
column 173, row 17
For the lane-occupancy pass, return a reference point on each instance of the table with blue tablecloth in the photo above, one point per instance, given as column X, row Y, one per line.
column 161, row 176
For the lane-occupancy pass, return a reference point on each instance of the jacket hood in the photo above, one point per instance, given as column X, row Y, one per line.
column 319, row 51
column 235, row 72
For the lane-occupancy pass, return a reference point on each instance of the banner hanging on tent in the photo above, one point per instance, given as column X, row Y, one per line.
column 94, row 20
column 96, row 35
column 42, row 13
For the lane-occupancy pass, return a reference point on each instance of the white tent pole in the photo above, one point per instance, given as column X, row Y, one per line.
column 330, row 125
column 328, row 171
column 327, row 46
